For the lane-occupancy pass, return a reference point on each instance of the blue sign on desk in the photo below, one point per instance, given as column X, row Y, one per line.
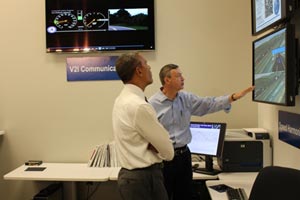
column 289, row 128
column 92, row 68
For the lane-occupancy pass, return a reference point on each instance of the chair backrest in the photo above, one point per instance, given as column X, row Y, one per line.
column 276, row 183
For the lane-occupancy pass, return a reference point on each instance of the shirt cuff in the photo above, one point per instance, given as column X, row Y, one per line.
column 227, row 109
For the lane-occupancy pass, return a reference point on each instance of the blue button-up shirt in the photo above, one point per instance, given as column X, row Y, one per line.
column 175, row 115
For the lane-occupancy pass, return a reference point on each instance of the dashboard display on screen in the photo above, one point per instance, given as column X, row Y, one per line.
column 106, row 25
column 274, row 67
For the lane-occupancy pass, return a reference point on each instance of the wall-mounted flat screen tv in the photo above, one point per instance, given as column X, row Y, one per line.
column 99, row 25
column 275, row 70
column 268, row 13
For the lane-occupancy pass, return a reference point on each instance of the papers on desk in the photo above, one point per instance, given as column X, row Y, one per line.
column 104, row 156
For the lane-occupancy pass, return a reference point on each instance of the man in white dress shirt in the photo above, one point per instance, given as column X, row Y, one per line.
column 141, row 141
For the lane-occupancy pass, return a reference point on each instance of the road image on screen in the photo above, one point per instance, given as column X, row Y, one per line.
column 270, row 68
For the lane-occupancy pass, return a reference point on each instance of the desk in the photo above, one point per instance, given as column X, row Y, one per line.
column 241, row 179
column 199, row 176
column 61, row 172
column 114, row 174
column 69, row 173
column 75, row 172
column 196, row 176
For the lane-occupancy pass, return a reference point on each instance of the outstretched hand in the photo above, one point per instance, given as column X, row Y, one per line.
column 238, row 95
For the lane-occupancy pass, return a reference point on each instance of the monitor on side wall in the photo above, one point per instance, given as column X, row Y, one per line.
column 106, row 25
column 269, row 13
column 275, row 67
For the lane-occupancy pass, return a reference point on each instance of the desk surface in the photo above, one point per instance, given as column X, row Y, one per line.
column 61, row 172
column 235, row 180
column 199, row 176
column 75, row 172
column 114, row 174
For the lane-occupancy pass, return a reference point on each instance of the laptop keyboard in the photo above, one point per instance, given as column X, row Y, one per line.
column 236, row 194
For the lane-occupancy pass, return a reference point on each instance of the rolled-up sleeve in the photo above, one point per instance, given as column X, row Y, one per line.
column 204, row 105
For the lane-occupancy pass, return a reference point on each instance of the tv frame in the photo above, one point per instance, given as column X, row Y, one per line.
column 79, row 38
column 209, row 156
column 291, row 66
column 286, row 12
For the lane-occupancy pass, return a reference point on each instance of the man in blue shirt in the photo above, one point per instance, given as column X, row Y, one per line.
column 174, row 110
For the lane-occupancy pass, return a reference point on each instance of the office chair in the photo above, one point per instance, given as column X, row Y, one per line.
column 276, row 183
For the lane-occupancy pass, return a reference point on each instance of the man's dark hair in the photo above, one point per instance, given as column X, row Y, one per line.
column 165, row 72
column 126, row 65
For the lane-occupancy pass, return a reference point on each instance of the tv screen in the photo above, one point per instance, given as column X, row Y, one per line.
column 207, row 140
column 269, row 13
column 275, row 67
column 105, row 25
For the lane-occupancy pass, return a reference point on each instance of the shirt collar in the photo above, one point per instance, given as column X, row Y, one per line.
column 135, row 89
column 161, row 96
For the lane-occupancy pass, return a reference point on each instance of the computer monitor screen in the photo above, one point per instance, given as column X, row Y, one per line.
column 275, row 67
column 208, row 140
column 269, row 13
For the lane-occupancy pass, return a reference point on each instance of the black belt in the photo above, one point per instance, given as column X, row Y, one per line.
column 155, row 166
column 180, row 150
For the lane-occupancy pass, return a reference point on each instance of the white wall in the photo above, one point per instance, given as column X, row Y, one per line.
column 283, row 153
column 45, row 117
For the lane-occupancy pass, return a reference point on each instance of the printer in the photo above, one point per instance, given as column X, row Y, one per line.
column 246, row 150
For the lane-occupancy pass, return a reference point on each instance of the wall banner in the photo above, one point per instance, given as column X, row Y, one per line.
column 289, row 128
column 92, row 68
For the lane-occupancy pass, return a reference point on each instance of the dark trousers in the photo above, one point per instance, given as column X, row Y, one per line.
column 142, row 184
column 178, row 176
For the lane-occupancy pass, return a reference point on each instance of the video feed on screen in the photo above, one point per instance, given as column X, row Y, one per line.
column 270, row 68
column 128, row 19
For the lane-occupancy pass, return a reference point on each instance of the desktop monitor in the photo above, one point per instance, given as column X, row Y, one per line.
column 275, row 70
column 267, row 14
column 207, row 140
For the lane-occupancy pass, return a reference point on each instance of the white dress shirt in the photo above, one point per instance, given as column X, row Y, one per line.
column 135, row 125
